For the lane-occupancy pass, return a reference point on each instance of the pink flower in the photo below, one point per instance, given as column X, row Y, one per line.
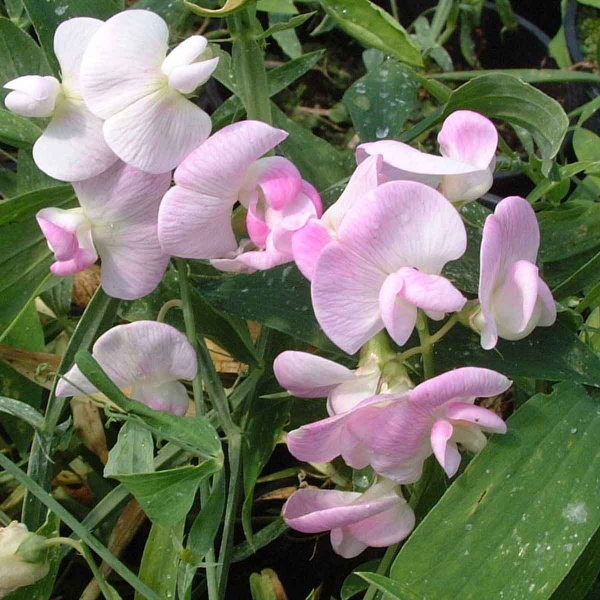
column 72, row 147
column 463, row 173
column 386, row 263
column 145, row 358
column 380, row 517
column 309, row 242
column 117, row 220
column 514, row 299
column 395, row 434
column 195, row 215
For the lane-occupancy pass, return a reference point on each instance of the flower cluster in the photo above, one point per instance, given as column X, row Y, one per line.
column 121, row 119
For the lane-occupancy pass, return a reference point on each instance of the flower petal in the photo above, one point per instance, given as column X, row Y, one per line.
column 122, row 63
column 345, row 294
column 72, row 148
column 279, row 180
column 547, row 305
column 345, row 544
column 307, row 245
column 482, row 417
column 123, row 205
column 187, row 78
column 432, row 230
column 468, row 137
column 170, row 396
column 319, row 441
column 74, row 383
column 308, row 376
column 32, row 95
column 445, row 451
column 158, row 131
column 349, row 394
column 70, row 41
column 195, row 215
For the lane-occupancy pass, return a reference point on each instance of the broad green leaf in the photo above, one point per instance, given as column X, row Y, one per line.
column 266, row 421
column 30, row 176
column 538, row 76
column 579, row 278
column 522, row 512
column 196, row 435
column 283, row 32
column 167, row 496
column 283, row 7
column 393, row 590
column 22, row 411
column 283, row 24
column 132, row 453
column 8, row 183
column 160, row 560
column 19, row 54
column 230, row 7
column 289, row 308
column 355, row 584
column 505, row 97
column 594, row 3
column 261, row 539
column 58, row 298
column 47, row 15
column 324, row 165
column 278, row 79
column 25, row 206
column 374, row 27
column 586, row 145
column 382, row 101
column 17, row 131
column 549, row 353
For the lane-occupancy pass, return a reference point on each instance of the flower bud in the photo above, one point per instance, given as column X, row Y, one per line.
column 32, row 95
column 22, row 558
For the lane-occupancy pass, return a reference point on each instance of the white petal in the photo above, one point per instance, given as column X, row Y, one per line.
column 187, row 78
column 33, row 95
column 73, row 148
column 185, row 53
column 157, row 132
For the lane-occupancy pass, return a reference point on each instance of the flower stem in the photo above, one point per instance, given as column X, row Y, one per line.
column 192, row 335
column 432, row 339
column 382, row 569
column 427, row 346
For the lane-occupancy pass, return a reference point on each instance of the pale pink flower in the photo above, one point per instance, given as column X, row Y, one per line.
column 144, row 358
column 195, row 219
column 72, row 147
column 309, row 242
column 395, row 434
column 116, row 220
column 386, row 264
column 514, row 299
column 379, row 517
column 462, row 173
column 140, row 91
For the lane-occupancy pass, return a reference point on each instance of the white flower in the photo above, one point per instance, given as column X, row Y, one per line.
column 72, row 147
column 129, row 81
column 17, row 570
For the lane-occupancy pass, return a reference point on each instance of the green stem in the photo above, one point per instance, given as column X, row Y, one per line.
column 382, row 569
column 105, row 588
column 249, row 65
column 432, row 339
column 395, row 11
column 192, row 335
column 66, row 517
column 426, row 344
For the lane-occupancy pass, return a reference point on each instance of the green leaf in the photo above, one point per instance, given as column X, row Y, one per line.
column 393, row 590
column 283, row 32
column 160, row 560
column 355, row 584
column 17, row 131
column 282, row 7
column 25, row 206
column 22, row 411
column 167, row 496
column 261, row 539
column 279, row 26
column 30, row 176
column 47, row 15
column 324, row 165
column 196, row 435
column 266, row 421
column 382, row 101
column 522, row 512
column 133, row 452
column 19, row 54
column 289, row 308
column 505, row 97
column 586, row 145
column 230, row 7
column 373, row 27
column 278, row 79
column 549, row 353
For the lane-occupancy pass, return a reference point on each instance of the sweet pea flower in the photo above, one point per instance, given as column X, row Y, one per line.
column 462, row 173
column 386, row 264
column 22, row 558
column 305, row 375
column 116, row 220
column 140, row 91
column 396, row 434
column 72, row 146
column 514, row 299
column 309, row 242
column 195, row 219
column 380, row 517
column 145, row 358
